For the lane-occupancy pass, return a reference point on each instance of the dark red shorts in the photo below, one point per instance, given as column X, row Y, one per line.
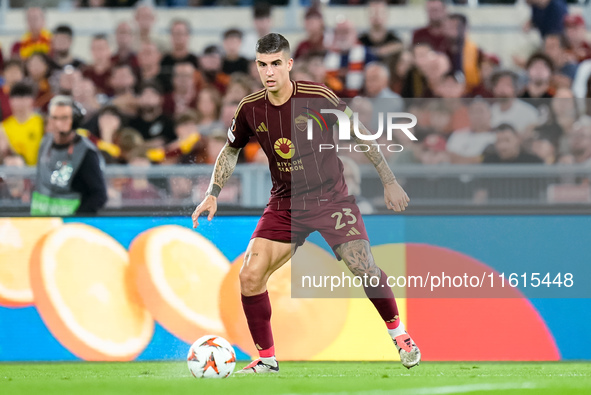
column 338, row 222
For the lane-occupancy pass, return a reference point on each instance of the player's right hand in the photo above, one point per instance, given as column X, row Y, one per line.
column 209, row 204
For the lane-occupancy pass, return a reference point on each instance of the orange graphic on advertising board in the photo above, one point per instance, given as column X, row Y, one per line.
column 178, row 274
column 82, row 290
column 100, row 302
column 296, row 321
column 17, row 239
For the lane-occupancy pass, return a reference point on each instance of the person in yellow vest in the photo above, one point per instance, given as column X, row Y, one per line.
column 23, row 131
column 36, row 39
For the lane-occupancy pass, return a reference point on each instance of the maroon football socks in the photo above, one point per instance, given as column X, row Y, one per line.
column 257, row 309
column 382, row 298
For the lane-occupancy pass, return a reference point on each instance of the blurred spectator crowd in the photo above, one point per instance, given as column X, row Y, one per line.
column 150, row 100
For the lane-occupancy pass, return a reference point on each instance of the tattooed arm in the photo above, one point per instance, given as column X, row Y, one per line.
column 223, row 169
column 375, row 156
column 394, row 196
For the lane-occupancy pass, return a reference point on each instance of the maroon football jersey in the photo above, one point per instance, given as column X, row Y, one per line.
column 303, row 177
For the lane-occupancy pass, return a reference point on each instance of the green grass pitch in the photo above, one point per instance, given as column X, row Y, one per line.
column 362, row 378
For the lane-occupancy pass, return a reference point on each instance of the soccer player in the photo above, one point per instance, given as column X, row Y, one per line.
column 308, row 189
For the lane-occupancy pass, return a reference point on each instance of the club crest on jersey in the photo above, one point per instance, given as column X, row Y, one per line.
column 284, row 148
column 301, row 122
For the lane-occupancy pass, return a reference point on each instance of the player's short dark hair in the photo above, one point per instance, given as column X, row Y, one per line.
column 261, row 10
column 64, row 29
column 272, row 43
column 22, row 89
column 233, row 33
column 504, row 127
column 542, row 57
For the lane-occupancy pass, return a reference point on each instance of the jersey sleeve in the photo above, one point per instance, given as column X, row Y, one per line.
column 336, row 103
column 239, row 132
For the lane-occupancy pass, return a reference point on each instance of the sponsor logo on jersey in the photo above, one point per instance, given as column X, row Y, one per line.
column 353, row 232
column 262, row 128
column 284, row 148
column 288, row 167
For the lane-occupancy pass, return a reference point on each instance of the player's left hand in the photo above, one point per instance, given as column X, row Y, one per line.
column 395, row 197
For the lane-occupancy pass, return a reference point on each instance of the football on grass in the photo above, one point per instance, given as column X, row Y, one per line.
column 211, row 357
